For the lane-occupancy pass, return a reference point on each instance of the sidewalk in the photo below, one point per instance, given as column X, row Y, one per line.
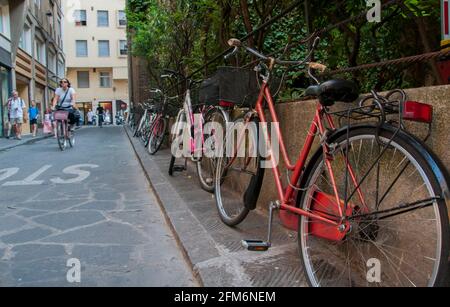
column 6, row 144
column 214, row 249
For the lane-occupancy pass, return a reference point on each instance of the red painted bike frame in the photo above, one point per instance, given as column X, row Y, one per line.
column 286, row 196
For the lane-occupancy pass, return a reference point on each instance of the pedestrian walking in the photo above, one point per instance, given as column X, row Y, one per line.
column 33, row 114
column 48, row 122
column 18, row 114
column 100, row 114
column 90, row 117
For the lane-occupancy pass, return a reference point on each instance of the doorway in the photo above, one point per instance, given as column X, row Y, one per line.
column 108, row 112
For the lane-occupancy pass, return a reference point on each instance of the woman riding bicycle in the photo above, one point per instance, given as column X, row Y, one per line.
column 65, row 98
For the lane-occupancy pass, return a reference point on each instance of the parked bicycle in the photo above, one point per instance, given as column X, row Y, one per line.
column 200, row 141
column 371, row 193
column 159, row 123
column 143, row 129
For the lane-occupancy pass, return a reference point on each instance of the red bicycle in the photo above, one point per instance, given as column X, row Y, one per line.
column 372, row 198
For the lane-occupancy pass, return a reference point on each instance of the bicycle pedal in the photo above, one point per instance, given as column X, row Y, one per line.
column 256, row 245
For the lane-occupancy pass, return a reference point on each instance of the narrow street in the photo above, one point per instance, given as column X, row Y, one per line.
column 91, row 203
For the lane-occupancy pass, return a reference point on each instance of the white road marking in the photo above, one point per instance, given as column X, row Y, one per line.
column 75, row 170
column 8, row 172
column 30, row 180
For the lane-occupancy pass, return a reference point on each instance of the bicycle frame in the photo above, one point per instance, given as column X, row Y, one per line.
column 286, row 195
column 190, row 117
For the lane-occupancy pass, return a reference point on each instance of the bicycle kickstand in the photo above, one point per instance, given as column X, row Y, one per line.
column 259, row 245
column 180, row 168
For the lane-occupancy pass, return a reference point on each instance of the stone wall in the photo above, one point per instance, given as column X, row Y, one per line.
column 295, row 118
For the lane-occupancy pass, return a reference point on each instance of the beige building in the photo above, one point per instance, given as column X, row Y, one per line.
column 96, row 49
column 31, row 52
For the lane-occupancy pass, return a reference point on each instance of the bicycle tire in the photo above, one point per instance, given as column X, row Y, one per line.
column 71, row 138
column 156, row 141
column 206, row 165
column 428, row 170
column 60, row 136
column 176, row 133
column 250, row 191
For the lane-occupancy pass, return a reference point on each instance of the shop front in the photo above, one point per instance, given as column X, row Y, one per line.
column 23, row 87
column 5, row 88
column 84, row 108
column 39, row 97
column 108, row 107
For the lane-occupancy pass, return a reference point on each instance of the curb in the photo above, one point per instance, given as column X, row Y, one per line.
column 213, row 250
column 24, row 142
column 169, row 222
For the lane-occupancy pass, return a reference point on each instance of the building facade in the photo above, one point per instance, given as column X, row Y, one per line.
column 96, row 48
column 31, row 52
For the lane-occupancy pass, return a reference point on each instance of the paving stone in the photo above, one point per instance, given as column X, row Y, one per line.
column 32, row 252
column 27, row 235
column 48, row 268
column 104, row 233
column 68, row 220
column 107, row 205
column 10, row 223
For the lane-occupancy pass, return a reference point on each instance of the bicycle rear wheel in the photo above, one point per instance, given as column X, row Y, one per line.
column 60, row 135
column 157, row 134
column 216, row 119
column 238, row 176
column 389, row 241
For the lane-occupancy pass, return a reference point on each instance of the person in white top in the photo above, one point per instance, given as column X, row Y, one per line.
column 90, row 116
column 18, row 114
column 65, row 99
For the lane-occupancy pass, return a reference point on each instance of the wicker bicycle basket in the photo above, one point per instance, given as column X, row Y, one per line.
column 61, row 115
column 232, row 85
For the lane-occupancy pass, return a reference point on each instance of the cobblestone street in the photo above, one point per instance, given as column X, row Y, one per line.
column 91, row 203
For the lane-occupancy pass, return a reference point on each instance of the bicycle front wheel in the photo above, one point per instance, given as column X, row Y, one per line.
column 61, row 135
column 396, row 222
column 216, row 119
column 238, row 177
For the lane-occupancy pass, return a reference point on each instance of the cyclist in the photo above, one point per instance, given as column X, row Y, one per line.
column 65, row 97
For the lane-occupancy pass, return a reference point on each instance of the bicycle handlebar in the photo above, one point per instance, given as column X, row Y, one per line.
column 237, row 44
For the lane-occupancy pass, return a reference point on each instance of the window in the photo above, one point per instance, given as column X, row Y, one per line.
column 4, row 21
column 80, row 17
column 25, row 39
column 121, row 19
column 82, row 49
column 103, row 49
column 2, row 25
column 105, row 79
column 102, row 19
column 83, row 79
column 51, row 62
column 59, row 32
column 123, row 48
column 61, row 70
column 40, row 51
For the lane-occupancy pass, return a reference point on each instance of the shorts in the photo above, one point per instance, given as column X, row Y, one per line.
column 18, row 120
column 33, row 122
